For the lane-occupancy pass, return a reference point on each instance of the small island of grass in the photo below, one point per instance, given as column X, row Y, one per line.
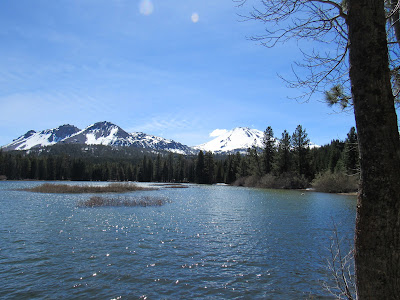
column 80, row 189
column 97, row 201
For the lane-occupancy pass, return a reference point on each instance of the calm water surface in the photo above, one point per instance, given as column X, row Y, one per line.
column 210, row 242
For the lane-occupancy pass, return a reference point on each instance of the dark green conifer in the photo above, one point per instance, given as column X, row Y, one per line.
column 269, row 150
column 351, row 155
column 199, row 170
column 284, row 160
column 301, row 149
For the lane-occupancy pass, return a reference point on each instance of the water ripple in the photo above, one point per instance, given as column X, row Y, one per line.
column 209, row 242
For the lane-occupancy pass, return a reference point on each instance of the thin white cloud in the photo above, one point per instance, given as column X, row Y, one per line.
column 159, row 124
column 146, row 7
column 195, row 17
column 218, row 132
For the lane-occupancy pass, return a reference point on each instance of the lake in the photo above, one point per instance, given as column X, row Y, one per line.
column 210, row 242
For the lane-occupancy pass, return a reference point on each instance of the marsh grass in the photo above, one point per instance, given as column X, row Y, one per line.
column 171, row 185
column 175, row 186
column 80, row 189
column 98, row 201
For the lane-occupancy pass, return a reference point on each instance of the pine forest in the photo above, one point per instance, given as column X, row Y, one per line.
column 286, row 162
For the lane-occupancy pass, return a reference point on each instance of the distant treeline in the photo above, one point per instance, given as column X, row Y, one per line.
column 287, row 162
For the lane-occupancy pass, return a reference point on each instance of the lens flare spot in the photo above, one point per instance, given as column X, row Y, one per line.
column 146, row 7
column 195, row 17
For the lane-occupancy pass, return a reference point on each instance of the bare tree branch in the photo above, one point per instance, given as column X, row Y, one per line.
column 323, row 21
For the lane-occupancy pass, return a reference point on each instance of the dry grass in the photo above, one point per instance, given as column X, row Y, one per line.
column 176, row 186
column 172, row 185
column 97, row 201
column 79, row 189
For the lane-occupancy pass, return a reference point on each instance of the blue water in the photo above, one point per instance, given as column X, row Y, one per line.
column 210, row 242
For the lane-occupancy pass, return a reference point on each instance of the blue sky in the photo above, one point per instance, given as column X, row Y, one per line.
column 171, row 68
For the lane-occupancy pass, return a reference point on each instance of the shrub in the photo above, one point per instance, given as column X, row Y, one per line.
column 269, row 181
column 298, row 182
column 335, row 183
column 251, row 181
column 239, row 182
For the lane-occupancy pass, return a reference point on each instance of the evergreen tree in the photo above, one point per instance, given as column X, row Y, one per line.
column 269, row 150
column 199, row 170
column 97, row 173
column 179, row 169
column 219, row 176
column 34, row 169
column 157, row 168
column 65, row 168
column 243, row 167
column 170, row 161
column 43, row 169
column 130, row 173
column 11, row 167
column 190, row 171
column 165, row 172
column 335, row 155
column 301, row 149
column 2, row 159
column 351, row 155
column 284, row 161
column 25, row 168
column 209, row 168
column 106, row 171
column 230, row 172
column 51, row 168
column 114, row 172
column 146, row 169
column 254, row 161
column 78, row 169
column 121, row 173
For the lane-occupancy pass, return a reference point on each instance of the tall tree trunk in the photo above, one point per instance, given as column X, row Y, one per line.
column 377, row 244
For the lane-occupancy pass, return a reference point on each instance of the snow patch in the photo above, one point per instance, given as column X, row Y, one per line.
column 218, row 132
column 237, row 139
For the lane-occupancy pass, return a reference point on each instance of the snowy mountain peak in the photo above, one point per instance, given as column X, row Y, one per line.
column 27, row 135
column 100, row 133
column 61, row 132
column 237, row 139
column 104, row 125
column 42, row 138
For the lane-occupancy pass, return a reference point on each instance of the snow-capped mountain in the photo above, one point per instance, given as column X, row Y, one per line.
column 101, row 133
column 106, row 133
column 143, row 140
column 238, row 139
column 42, row 138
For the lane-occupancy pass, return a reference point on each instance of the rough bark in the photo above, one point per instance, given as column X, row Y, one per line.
column 377, row 244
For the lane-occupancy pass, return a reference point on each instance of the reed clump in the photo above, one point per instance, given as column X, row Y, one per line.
column 176, row 187
column 98, row 201
column 172, row 185
column 79, row 189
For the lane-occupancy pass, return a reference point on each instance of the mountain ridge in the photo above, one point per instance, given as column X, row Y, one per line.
column 42, row 138
column 106, row 133
column 100, row 133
